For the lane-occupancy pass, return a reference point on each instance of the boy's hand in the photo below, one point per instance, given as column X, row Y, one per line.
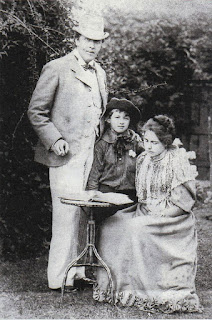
column 60, row 148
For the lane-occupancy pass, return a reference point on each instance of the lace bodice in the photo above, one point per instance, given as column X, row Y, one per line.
column 156, row 177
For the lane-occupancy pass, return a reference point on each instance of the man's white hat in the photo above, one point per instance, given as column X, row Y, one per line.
column 91, row 27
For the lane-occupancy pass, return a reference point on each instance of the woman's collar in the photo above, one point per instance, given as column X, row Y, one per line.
column 159, row 156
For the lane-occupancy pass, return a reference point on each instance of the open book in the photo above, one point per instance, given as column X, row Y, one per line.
column 93, row 195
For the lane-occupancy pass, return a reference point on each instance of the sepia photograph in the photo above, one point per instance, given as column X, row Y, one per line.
column 106, row 159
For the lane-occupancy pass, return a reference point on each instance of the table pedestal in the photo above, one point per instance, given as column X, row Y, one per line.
column 90, row 250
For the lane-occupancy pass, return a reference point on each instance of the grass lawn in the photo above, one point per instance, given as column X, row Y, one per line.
column 24, row 293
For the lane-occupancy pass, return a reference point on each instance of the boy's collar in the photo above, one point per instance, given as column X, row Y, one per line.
column 111, row 136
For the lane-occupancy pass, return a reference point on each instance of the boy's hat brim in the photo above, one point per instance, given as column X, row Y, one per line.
column 124, row 105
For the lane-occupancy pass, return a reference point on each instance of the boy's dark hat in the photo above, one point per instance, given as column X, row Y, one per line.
column 124, row 105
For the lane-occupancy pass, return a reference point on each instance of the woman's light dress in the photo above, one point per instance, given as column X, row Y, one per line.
column 152, row 256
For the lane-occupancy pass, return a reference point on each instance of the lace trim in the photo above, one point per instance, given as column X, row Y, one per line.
column 156, row 179
column 147, row 304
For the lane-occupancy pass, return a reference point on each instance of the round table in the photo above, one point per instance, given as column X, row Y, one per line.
column 90, row 250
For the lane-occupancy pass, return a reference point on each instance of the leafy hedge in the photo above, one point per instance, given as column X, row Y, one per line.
column 152, row 62
column 33, row 32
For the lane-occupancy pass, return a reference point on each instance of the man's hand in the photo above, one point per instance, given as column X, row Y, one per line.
column 60, row 148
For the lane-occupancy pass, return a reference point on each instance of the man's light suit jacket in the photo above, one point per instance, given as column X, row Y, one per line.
column 59, row 107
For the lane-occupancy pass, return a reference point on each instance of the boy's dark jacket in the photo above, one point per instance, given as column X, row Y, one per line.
column 115, row 161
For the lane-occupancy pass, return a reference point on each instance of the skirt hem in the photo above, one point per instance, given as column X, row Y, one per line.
column 152, row 305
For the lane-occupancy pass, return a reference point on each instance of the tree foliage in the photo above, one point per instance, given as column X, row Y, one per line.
column 149, row 61
column 32, row 33
column 154, row 63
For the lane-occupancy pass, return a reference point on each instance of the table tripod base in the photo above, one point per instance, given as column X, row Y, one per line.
column 102, row 264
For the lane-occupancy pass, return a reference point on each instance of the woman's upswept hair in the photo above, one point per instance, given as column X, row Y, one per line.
column 164, row 128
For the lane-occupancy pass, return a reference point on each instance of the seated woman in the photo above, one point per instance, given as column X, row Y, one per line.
column 151, row 247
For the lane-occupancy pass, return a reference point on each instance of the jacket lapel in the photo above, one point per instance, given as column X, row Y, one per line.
column 79, row 71
column 102, row 85
column 82, row 76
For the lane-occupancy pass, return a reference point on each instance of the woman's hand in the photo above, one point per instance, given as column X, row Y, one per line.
column 172, row 212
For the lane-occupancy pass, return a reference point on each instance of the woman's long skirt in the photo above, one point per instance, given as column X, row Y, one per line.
column 152, row 260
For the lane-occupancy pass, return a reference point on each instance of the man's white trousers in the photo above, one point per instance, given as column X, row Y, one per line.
column 68, row 222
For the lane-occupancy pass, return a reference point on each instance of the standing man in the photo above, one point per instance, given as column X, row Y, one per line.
column 66, row 111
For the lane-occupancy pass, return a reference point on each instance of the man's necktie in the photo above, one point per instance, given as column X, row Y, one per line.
column 88, row 67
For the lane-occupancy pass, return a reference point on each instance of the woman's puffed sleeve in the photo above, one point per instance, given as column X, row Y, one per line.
column 182, row 171
column 184, row 196
column 183, row 190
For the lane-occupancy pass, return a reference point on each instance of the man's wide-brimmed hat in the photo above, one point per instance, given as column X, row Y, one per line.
column 124, row 105
column 91, row 27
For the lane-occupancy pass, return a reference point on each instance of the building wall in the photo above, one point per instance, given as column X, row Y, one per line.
column 198, row 140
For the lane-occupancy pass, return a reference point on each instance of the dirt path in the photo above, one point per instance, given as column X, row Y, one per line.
column 24, row 293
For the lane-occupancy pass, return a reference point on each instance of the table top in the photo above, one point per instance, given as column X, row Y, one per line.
column 90, row 204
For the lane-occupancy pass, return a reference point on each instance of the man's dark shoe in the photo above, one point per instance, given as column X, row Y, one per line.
column 69, row 289
column 84, row 283
column 88, row 280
